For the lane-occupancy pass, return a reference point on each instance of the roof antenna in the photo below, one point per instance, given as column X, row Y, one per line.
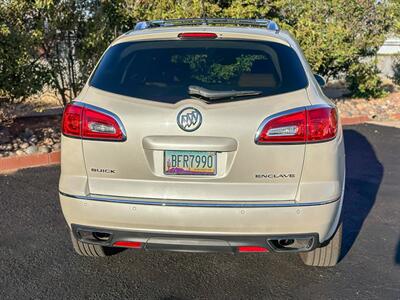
column 204, row 17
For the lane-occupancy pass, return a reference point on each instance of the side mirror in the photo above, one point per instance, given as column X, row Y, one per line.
column 321, row 81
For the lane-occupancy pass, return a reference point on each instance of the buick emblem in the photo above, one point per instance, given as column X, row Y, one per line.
column 189, row 119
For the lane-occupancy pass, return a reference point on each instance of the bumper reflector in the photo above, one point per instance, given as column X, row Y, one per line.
column 127, row 244
column 246, row 249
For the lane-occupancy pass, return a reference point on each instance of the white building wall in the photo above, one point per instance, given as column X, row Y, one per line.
column 387, row 55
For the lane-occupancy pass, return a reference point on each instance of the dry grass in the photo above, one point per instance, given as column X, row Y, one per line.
column 37, row 103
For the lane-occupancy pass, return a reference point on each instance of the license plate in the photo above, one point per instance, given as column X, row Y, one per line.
column 190, row 163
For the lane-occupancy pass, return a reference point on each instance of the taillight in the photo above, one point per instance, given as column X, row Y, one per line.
column 89, row 122
column 100, row 125
column 287, row 128
column 322, row 124
column 71, row 124
column 197, row 35
column 299, row 126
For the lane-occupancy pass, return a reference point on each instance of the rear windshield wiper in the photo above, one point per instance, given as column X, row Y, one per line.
column 207, row 94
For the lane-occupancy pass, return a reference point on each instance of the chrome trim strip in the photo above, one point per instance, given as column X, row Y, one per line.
column 191, row 204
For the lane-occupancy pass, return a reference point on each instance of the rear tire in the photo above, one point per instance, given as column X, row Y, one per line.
column 328, row 254
column 86, row 249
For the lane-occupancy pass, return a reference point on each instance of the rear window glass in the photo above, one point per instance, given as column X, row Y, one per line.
column 163, row 70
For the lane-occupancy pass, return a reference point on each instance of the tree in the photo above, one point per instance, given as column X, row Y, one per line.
column 22, row 73
column 73, row 34
column 58, row 42
column 53, row 42
column 141, row 10
column 333, row 34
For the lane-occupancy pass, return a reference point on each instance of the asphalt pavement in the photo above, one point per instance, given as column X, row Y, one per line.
column 37, row 260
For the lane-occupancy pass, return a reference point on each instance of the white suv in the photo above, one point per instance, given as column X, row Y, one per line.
column 204, row 135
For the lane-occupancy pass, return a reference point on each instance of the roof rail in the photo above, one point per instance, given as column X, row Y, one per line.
column 268, row 24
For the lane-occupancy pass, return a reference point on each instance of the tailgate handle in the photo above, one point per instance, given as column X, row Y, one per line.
column 199, row 143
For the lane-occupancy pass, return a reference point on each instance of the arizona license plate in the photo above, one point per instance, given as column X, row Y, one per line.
column 190, row 163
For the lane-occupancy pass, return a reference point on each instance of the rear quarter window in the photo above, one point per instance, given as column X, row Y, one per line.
column 163, row 70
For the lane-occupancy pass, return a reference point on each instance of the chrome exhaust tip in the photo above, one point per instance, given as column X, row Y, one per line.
column 101, row 236
column 285, row 242
column 93, row 236
column 295, row 244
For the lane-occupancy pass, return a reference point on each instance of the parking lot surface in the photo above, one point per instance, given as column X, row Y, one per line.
column 37, row 260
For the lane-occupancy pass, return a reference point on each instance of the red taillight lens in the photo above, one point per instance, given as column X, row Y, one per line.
column 312, row 125
column 322, row 124
column 246, row 249
column 128, row 244
column 197, row 35
column 72, row 118
column 91, row 123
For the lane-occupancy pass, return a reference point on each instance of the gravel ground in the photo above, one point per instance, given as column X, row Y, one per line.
column 386, row 108
column 37, row 261
column 31, row 135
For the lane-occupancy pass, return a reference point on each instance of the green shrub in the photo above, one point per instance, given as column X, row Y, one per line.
column 333, row 34
column 364, row 81
column 21, row 72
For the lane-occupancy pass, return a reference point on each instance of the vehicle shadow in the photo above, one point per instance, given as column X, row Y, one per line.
column 364, row 174
column 397, row 259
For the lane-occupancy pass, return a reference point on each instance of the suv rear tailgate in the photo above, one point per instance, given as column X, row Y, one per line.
column 247, row 171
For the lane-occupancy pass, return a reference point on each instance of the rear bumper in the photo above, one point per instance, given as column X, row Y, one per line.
column 264, row 220
column 195, row 243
